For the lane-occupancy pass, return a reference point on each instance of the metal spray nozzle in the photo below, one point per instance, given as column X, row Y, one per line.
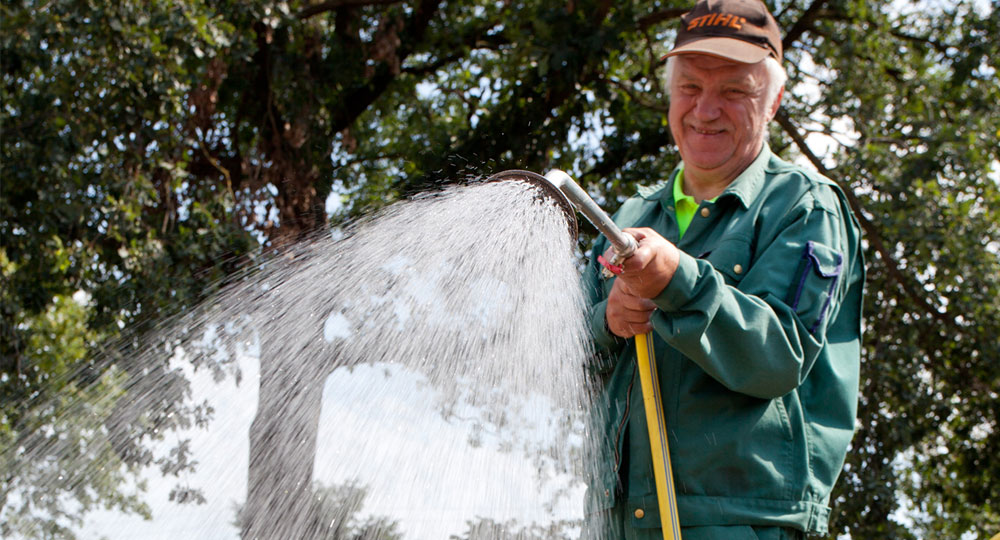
column 624, row 244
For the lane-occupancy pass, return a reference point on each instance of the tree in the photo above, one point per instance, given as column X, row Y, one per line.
column 149, row 149
column 95, row 206
column 334, row 516
column 488, row 528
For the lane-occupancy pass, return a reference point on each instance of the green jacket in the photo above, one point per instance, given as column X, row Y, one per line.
column 757, row 342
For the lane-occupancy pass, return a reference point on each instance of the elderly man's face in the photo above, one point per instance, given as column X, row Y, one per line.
column 718, row 115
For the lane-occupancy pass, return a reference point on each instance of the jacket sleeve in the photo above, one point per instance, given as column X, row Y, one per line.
column 607, row 345
column 757, row 322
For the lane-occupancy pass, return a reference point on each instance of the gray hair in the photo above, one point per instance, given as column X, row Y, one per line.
column 776, row 77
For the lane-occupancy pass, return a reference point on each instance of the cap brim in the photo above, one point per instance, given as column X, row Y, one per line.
column 736, row 50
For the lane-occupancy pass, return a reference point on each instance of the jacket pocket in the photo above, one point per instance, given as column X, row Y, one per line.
column 731, row 258
column 814, row 288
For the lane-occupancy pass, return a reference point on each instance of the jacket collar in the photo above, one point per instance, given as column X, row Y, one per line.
column 750, row 182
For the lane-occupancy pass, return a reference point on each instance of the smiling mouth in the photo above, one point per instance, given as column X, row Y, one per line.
column 706, row 131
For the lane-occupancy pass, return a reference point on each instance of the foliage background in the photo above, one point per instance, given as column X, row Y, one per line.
column 152, row 149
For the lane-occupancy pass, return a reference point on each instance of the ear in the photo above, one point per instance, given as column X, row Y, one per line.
column 777, row 102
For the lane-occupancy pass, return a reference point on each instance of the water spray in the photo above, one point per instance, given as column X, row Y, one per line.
column 565, row 191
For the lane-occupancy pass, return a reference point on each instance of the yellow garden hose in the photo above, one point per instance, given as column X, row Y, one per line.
column 665, row 494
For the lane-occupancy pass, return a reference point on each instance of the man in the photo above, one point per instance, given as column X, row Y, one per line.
column 749, row 275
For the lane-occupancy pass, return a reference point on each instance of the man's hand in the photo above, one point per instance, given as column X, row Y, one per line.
column 627, row 314
column 648, row 271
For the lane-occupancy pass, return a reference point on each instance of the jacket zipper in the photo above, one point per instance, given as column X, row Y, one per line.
column 622, row 422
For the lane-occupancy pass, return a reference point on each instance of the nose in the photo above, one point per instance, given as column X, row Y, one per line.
column 707, row 106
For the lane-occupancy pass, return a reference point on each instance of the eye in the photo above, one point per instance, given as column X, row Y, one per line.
column 735, row 93
column 689, row 88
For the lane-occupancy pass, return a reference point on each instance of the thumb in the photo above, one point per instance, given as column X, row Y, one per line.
column 637, row 232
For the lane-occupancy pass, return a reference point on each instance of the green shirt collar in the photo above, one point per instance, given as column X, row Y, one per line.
column 684, row 205
column 681, row 198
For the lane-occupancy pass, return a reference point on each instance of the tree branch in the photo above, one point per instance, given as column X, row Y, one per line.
column 804, row 23
column 638, row 98
column 873, row 235
column 358, row 99
column 475, row 40
column 431, row 67
column 659, row 16
column 330, row 5
column 521, row 125
column 937, row 46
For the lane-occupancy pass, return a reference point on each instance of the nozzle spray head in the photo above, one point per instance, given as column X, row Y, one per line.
column 561, row 188
column 545, row 190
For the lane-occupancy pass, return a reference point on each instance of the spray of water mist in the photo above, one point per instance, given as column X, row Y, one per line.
column 419, row 375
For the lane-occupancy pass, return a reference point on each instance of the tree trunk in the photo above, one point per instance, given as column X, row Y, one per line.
column 282, row 450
